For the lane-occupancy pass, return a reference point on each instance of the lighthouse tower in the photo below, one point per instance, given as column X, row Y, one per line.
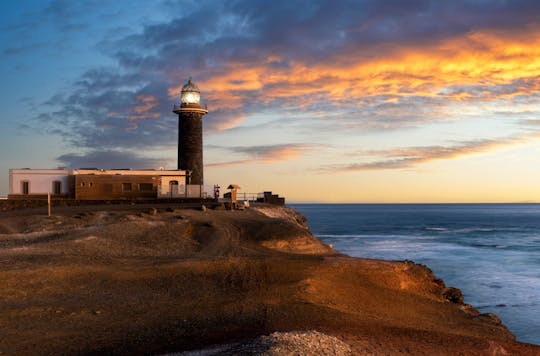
column 190, row 139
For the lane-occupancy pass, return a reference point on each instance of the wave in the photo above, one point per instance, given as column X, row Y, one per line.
column 487, row 245
column 472, row 229
column 381, row 236
column 347, row 235
column 479, row 229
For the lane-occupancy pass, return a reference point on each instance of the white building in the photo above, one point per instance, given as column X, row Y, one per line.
column 27, row 181
column 98, row 184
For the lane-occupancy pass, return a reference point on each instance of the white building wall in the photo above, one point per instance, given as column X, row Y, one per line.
column 164, row 188
column 195, row 191
column 40, row 180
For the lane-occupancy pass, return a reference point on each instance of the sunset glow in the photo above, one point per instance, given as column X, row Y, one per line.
column 360, row 102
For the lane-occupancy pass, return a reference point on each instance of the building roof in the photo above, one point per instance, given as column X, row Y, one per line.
column 190, row 86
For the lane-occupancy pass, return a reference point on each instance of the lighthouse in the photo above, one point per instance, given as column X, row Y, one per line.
column 190, row 136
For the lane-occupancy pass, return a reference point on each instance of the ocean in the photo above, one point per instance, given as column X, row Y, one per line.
column 489, row 251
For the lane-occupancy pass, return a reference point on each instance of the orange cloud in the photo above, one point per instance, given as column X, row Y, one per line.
column 401, row 158
column 473, row 67
column 144, row 104
column 486, row 67
column 265, row 154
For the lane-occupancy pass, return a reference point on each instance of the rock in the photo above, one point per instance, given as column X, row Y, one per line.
column 190, row 279
column 490, row 316
column 169, row 209
column 439, row 282
column 282, row 343
column 453, row 295
column 152, row 211
column 469, row 309
column 203, row 208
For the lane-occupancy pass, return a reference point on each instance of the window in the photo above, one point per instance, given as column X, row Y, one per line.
column 146, row 187
column 83, row 184
column 57, row 187
column 25, row 187
column 91, row 184
column 126, row 187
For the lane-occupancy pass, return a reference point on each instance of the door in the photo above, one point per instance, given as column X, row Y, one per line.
column 25, row 187
column 57, row 187
column 173, row 188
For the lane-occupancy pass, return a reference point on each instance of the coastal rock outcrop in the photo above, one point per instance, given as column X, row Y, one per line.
column 127, row 280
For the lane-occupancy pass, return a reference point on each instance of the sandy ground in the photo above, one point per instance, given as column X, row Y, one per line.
column 137, row 280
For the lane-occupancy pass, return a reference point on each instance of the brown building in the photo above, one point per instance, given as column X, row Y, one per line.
column 101, row 184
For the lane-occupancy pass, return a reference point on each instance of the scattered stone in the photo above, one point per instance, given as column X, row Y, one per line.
column 203, row 207
column 152, row 211
column 453, row 295
column 281, row 343
column 169, row 210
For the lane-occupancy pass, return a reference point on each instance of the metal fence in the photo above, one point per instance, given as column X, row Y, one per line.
column 252, row 197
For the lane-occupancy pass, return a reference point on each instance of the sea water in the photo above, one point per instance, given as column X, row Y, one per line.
column 490, row 251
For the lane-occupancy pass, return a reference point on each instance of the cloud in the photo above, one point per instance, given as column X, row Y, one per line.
column 264, row 154
column 109, row 159
column 364, row 65
column 144, row 108
column 530, row 122
column 23, row 49
column 401, row 158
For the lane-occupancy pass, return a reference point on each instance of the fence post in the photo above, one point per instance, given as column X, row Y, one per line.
column 49, row 203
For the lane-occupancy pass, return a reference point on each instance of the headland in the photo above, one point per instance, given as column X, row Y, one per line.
column 162, row 279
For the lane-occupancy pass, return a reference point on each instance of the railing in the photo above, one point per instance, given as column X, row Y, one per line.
column 249, row 196
column 187, row 106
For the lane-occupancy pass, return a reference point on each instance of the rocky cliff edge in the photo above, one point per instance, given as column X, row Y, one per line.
column 154, row 280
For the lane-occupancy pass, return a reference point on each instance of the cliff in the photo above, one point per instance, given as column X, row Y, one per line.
column 140, row 280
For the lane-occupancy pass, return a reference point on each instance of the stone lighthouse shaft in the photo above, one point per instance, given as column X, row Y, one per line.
column 190, row 134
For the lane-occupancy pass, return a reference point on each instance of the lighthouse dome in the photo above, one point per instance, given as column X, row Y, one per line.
column 190, row 93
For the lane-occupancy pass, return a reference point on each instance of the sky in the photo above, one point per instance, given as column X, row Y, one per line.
column 318, row 101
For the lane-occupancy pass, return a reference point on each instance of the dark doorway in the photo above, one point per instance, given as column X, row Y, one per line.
column 25, row 187
column 57, row 187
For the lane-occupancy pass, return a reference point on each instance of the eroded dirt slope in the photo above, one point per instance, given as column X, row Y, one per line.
column 149, row 281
